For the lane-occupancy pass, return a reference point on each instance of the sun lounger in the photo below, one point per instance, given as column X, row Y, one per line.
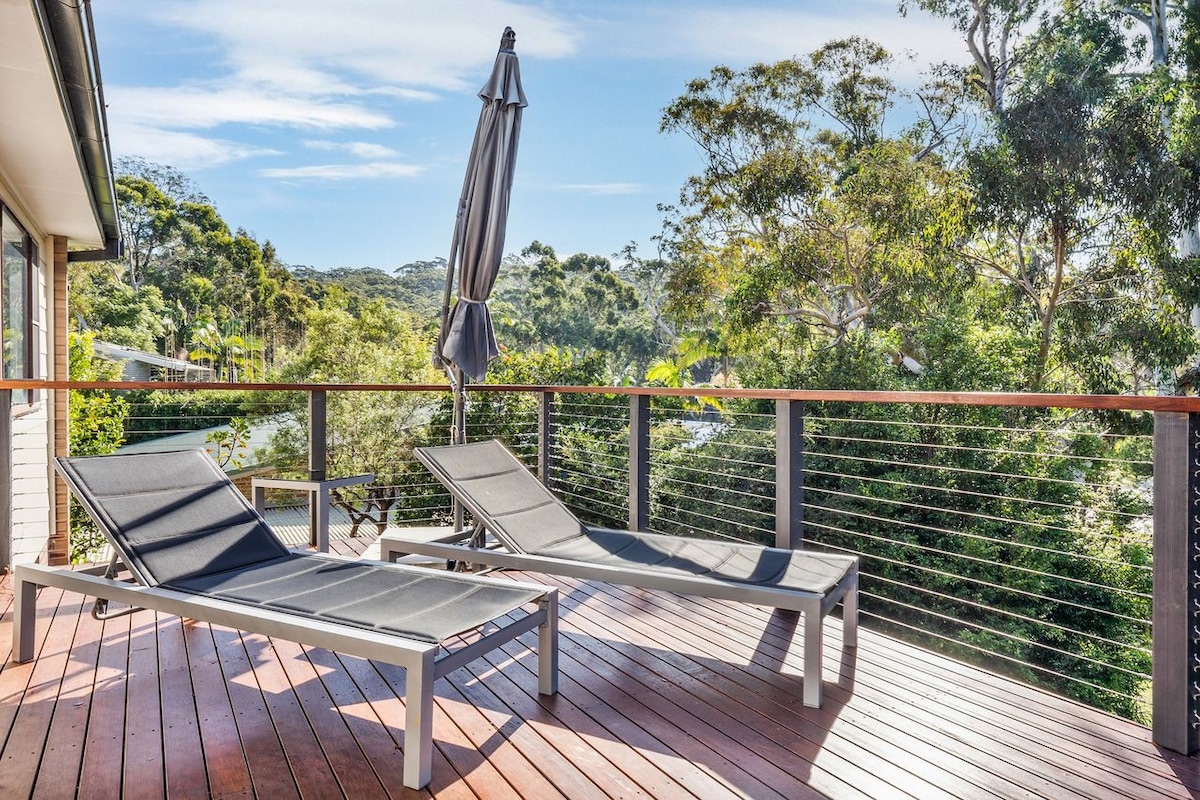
column 538, row 533
column 198, row 549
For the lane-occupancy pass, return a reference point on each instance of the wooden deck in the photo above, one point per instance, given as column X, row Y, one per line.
column 661, row 697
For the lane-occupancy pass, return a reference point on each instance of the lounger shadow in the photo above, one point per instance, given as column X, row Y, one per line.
column 198, row 549
column 537, row 532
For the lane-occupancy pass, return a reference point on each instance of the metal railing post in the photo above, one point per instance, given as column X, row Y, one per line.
column 6, row 480
column 639, row 462
column 789, row 473
column 545, row 434
column 317, row 419
column 317, row 458
column 1176, row 617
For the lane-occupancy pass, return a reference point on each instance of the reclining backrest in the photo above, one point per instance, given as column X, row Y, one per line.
column 170, row 515
column 502, row 494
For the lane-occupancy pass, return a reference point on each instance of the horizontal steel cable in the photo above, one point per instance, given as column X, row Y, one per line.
column 965, row 534
column 1012, row 614
column 1003, row 656
column 1144, row 622
column 993, row 428
column 951, row 448
column 1006, row 635
column 989, row 563
column 957, row 470
column 660, row 482
column 701, row 515
column 969, row 493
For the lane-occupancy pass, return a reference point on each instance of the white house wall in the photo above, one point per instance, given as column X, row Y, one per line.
column 30, row 502
column 32, row 473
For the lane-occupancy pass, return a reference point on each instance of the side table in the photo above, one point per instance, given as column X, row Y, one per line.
column 318, row 500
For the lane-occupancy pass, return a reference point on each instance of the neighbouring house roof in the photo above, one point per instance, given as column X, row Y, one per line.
column 250, row 457
column 119, row 352
column 54, row 149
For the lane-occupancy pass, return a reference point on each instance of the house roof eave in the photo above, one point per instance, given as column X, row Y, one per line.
column 69, row 38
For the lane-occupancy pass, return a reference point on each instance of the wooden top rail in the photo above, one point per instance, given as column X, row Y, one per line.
column 1108, row 402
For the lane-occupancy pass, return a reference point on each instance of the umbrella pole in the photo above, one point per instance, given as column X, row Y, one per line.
column 458, row 433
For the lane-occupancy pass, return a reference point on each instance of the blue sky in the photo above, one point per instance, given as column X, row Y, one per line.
column 339, row 130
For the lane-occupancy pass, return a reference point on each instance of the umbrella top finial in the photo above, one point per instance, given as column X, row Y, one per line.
column 508, row 40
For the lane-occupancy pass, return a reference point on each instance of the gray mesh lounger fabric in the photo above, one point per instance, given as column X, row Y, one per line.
column 518, row 509
column 540, row 534
column 741, row 563
column 179, row 523
column 200, row 550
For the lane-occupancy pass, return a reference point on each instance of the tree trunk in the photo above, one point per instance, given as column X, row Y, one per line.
column 1046, row 315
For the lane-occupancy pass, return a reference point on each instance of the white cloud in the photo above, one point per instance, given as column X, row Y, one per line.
column 314, row 46
column 186, row 151
column 359, row 149
column 315, row 65
column 210, row 106
column 343, row 172
column 602, row 188
column 712, row 32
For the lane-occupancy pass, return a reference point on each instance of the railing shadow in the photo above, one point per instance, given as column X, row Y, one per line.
column 1185, row 768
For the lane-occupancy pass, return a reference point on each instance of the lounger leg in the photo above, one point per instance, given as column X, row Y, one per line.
column 548, row 646
column 418, row 722
column 812, row 655
column 321, row 523
column 850, row 616
column 24, row 617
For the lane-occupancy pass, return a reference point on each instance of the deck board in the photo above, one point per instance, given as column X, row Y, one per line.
column 661, row 696
column 185, row 775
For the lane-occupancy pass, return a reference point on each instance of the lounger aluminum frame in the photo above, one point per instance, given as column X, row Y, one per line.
column 423, row 661
column 471, row 547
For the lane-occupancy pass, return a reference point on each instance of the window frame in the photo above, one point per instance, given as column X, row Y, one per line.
column 32, row 328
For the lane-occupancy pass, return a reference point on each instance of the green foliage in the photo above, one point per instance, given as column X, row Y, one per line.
column 190, row 281
column 416, row 287
column 231, row 357
column 229, row 446
column 96, row 427
column 158, row 413
column 112, row 309
column 685, row 365
column 96, row 417
column 581, row 303
column 983, row 531
column 806, row 215
column 369, row 431
column 1081, row 180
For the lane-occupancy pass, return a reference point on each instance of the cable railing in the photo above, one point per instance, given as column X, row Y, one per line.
column 1082, row 622
column 1022, row 531
column 1028, row 542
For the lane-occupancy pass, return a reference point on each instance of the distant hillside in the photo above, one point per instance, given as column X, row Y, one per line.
column 416, row 286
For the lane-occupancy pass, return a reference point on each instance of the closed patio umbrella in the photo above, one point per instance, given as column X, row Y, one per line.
column 467, row 342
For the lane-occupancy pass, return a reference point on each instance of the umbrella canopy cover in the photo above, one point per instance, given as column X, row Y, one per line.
column 467, row 339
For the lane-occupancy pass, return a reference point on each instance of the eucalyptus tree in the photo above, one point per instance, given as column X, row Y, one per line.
column 809, row 211
column 1079, row 187
column 148, row 226
column 992, row 30
column 580, row 302
column 199, row 268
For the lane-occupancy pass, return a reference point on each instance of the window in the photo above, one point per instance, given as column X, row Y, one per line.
column 18, row 260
